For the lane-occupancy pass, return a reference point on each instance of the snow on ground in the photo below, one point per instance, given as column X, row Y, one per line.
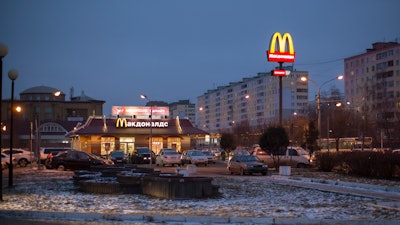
column 247, row 196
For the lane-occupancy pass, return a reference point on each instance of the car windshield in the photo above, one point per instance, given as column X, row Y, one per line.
column 171, row 153
column 143, row 150
column 197, row 153
column 117, row 154
column 240, row 152
column 249, row 158
column 207, row 153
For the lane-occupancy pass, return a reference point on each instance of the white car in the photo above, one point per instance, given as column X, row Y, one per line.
column 194, row 157
column 5, row 160
column 22, row 157
column 168, row 156
column 292, row 156
column 211, row 157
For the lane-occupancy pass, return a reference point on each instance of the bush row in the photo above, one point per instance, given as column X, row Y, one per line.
column 365, row 164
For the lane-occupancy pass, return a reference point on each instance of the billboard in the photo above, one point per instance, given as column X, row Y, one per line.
column 140, row 111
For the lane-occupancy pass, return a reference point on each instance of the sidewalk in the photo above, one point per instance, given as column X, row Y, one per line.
column 358, row 189
column 55, row 218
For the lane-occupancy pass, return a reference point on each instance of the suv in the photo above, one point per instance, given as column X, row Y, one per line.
column 143, row 155
column 22, row 157
column 45, row 151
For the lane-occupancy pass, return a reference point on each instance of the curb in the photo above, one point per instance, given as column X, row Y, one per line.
column 177, row 219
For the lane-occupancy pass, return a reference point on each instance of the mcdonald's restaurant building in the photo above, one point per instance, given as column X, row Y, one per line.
column 101, row 135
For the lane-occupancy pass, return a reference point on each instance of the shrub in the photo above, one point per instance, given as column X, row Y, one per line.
column 365, row 164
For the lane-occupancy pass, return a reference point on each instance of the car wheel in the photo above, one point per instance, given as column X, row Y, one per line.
column 205, row 164
column 264, row 173
column 241, row 171
column 23, row 162
column 61, row 167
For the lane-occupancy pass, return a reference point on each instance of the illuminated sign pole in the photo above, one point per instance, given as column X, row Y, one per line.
column 282, row 55
column 151, row 129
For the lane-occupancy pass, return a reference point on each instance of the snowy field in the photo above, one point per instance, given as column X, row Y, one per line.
column 247, row 196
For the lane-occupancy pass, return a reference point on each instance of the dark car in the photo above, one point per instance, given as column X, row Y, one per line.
column 76, row 160
column 118, row 157
column 247, row 164
column 143, row 155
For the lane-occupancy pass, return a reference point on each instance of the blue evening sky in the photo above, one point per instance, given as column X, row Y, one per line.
column 178, row 49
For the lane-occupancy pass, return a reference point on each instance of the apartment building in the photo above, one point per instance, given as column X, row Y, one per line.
column 372, row 87
column 184, row 110
column 254, row 100
column 47, row 112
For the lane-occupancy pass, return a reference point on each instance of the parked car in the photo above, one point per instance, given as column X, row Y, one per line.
column 194, row 157
column 118, row 157
column 217, row 153
column 22, row 157
column 262, row 154
column 143, row 155
column 76, row 160
column 247, row 164
column 45, row 151
column 238, row 152
column 168, row 156
column 211, row 157
column 292, row 156
column 5, row 161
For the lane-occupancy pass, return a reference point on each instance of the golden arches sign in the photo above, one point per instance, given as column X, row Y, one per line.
column 121, row 122
column 284, row 42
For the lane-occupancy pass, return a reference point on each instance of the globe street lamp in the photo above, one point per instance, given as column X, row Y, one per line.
column 13, row 75
column 151, row 128
column 3, row 53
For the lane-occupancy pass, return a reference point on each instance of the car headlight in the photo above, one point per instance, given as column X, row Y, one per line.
column 250, row 166
column 265, row 166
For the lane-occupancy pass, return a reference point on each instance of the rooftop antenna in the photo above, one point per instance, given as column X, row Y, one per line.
column 71, row 93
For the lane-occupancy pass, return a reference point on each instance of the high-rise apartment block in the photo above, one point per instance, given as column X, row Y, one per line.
column 184, row 110
column 372, row 86
column 253, row 100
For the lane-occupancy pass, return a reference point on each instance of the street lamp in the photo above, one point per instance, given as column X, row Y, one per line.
column 151, row 128
column 3, row 53
column 37, row 121
column 340, row 77
column 13, row 75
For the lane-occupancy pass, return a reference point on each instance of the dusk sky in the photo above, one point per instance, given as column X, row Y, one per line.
column 173, row 50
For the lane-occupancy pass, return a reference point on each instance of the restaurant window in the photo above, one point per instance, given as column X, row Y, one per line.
column 107, row 145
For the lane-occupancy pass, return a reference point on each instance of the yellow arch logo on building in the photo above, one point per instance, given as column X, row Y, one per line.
column 121, row 122
column 285, row 51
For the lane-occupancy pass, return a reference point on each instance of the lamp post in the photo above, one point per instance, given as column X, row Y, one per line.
column 151, row 129
column 340, row 77
column 3, row 53
column 13, row 75
column 37, row 120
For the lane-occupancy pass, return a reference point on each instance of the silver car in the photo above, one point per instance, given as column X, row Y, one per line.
column 168, row 156
column 194, row 157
